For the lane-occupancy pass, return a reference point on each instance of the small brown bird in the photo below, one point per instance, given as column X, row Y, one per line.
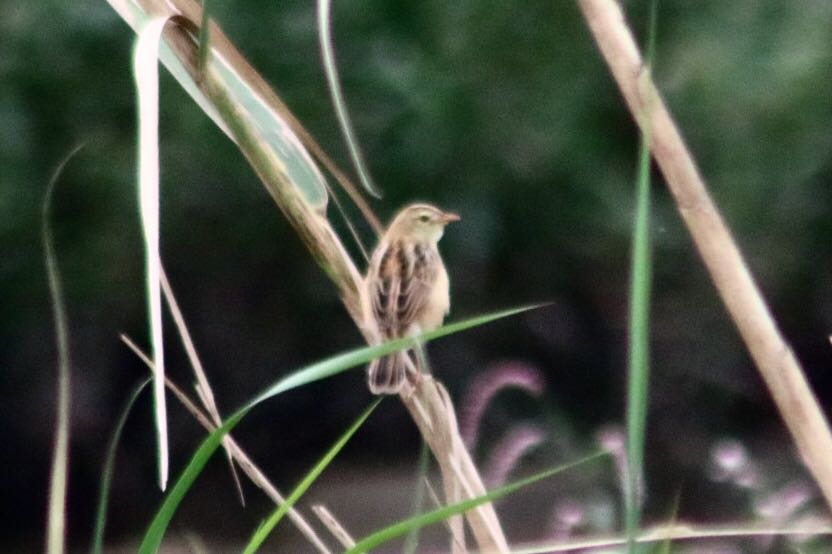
column 407, row 289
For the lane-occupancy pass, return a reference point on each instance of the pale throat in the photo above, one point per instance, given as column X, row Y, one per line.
column 431, row 236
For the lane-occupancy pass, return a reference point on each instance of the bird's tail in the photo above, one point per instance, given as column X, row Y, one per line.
column 387, row 375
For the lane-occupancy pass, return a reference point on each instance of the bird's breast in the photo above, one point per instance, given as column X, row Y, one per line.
column 439, row 304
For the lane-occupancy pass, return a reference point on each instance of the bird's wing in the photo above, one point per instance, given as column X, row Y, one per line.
column 400, row 286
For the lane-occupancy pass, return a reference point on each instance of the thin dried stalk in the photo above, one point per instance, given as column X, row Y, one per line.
column 238, row 454
column 456, row 524
column 772, row 355
column 203, row 388
column 334, row 526
column 431, row 408
column 457, row 534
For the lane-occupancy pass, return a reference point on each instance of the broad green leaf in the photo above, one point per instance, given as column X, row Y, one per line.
column 268, row 526
column 278, row 134
column 134, row 16
column 276, row 131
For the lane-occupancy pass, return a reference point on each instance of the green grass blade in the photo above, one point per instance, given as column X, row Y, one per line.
column 639, row 355
column 337, row 94
column 412, row 540
column 107, row 470
column 666, row 546
column 403, row 527
column 153, row 538
column 639, row 331
column 315, row 372
column 353, row 358
column 652, row 31
column 56, row 518
column 204, row 35
column 266, row 528
column 146, row 73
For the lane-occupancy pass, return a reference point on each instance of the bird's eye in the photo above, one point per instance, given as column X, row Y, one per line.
column 424, row 218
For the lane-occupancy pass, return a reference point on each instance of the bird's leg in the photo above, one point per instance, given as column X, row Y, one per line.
column 418, row 369
column 415, row 356
column 421, row 363
column 421, row 358
column 413, row 365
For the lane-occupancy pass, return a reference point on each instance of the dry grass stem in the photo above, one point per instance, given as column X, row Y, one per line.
column 58, row 476
column 334, row 526
column 203, row 389
column 431, row 409
column 772, row 355
column 457, row 534
column 237, row 453
column 673, row 532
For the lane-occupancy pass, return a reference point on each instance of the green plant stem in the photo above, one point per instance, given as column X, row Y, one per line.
column 639, row 329
column 412, row 540
column 204, row 35
column 107, row 471
column 337, row 95
column 639, row 355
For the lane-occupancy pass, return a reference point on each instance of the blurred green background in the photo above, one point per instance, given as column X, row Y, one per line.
column 501, row 111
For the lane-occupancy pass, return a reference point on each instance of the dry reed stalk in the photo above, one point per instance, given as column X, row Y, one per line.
column 773, row 356
column 428, row 403
column 457, row 535
column 203, row 388
column 236, row 452
column 431, row 408
column 334, row 526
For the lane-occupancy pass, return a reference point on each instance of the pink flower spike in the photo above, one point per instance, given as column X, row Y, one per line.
column 509, row 451
column 487, row 385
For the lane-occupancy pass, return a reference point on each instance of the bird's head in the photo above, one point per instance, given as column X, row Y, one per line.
column 421, row 222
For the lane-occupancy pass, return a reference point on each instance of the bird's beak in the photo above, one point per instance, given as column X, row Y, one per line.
column 449, row 217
